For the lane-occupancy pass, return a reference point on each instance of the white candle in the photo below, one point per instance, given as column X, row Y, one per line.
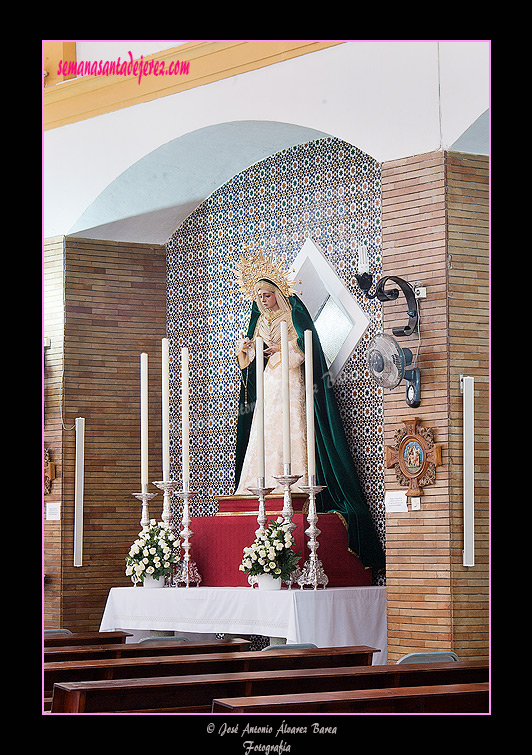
column 185, row 422
column 165, row 392
column 285, row 378
column 259, row 405
column 144, row 422
column 309, row 399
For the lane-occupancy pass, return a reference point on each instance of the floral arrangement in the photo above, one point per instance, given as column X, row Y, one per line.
column 271, row 553
column 153, row 553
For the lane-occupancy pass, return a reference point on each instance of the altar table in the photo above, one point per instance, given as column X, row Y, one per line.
column 336, row 616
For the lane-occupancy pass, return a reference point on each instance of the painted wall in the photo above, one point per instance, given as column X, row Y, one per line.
column 390, row 99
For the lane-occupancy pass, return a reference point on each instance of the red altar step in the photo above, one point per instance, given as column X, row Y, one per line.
column 218, row 542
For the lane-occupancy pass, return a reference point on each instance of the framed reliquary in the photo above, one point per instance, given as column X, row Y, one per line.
column 415, row 457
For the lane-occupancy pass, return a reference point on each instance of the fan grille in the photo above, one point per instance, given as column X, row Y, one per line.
column 385, row 361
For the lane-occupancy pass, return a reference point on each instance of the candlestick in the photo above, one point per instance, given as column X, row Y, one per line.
column 185, row 419
column 309, row 400
column 168, row 486
column 144, row 422
column 165, row 393
column 187, row 572
column 145, row 497
column 312, row 573
column 287, row 480
column 261, row 492
column 285, row 378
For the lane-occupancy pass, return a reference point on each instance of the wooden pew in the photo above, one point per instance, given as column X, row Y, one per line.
column 444, row 698
column 85, row 638
column 203, row 663
column 142, row 649
column 195, row 693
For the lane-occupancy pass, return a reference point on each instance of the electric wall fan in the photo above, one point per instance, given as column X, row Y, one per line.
column 388, row 364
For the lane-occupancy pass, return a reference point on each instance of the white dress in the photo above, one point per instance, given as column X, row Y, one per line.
column 269, row 327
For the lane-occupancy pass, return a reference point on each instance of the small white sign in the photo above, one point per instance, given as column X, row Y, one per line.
column 395, row 501
column 53, row 510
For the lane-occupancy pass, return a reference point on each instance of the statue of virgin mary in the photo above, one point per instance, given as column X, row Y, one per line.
column 263, row 280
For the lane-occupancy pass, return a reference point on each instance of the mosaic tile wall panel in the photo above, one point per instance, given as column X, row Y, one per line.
column 326, row 189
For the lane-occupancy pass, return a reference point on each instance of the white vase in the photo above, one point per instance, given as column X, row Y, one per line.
column 149, row 581
column 267, row 582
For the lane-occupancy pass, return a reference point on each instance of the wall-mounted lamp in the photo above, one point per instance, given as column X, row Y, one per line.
column 79, row 478
column 365, row 282
column 467, row 388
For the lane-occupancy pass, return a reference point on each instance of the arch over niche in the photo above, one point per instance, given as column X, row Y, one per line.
column 323, row 193
column 151, row 199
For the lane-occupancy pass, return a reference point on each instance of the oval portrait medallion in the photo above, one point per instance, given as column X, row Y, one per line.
column 413, row 456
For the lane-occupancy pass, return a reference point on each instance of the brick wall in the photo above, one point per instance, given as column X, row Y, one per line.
column 53, row 360
column 423, row 223
column 468, row 275
column 115, row 308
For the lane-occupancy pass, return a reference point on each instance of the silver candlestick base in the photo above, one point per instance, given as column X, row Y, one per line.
column 293, row 577
column 261, row 492
column 168, row 486
column 313, row 573
column 187, row 572
column 145, row 497
column 287, row 480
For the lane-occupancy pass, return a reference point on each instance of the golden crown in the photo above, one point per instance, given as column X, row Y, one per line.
column 251, row 268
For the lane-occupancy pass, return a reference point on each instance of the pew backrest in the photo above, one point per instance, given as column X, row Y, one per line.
column 141, row 649
column 203, row 663
column 85, row 638
column 195, row 692
column 450, row 698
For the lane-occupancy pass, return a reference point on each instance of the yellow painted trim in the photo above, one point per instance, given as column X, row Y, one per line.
column 53, row 52
column 88, row 96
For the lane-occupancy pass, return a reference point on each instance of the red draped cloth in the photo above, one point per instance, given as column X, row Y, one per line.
column 218, row 541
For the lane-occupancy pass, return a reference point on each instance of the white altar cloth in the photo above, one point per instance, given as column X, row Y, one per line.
column 336, row 616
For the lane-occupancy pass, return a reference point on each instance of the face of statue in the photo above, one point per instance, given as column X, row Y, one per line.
column 268, row 299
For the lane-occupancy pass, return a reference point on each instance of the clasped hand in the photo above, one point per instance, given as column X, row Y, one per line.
column 272, row 349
